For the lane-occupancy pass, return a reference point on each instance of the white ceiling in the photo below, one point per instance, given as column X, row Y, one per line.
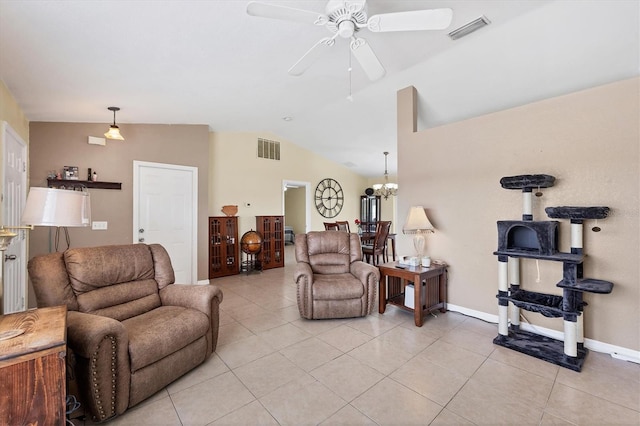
column 208, row 62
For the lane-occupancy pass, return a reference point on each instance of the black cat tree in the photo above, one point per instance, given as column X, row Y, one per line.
column 539, row 240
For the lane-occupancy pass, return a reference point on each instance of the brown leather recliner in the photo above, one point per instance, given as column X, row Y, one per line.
column 130, row 329
column 332, row 279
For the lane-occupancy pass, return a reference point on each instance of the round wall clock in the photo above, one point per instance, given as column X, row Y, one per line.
column 329, row 197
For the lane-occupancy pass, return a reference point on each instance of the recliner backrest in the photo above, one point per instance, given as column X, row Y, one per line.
column 328, row 252
column 119, row 281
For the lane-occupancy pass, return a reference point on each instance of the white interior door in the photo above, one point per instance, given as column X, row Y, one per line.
column 14, row 195
column 165, row 212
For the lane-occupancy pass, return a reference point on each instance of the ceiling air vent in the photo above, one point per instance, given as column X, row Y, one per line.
column 268, row 149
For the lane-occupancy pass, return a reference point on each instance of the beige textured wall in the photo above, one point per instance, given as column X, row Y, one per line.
column 589, row 141
column 12, row 113
column 294, row 209
column 54, row 145
column 238, row 177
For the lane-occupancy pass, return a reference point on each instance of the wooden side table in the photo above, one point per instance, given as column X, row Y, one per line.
column 396, row 278
column 32, row 367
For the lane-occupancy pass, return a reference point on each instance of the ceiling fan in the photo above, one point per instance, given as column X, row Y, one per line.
column 345, row 19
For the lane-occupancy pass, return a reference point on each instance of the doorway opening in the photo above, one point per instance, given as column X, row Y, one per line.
column 296, row 198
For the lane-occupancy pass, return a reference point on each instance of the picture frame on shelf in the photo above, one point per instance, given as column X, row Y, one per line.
column 71, row 173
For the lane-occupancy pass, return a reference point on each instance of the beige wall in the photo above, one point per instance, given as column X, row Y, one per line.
column 12, row 113
column 54, row 145
column 295, row 209
column 239, row 177
column 589, row 141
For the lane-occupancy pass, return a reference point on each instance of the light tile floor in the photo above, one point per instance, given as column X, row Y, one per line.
column 273, row 368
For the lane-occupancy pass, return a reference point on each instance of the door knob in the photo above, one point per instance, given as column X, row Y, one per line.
column 10, row 257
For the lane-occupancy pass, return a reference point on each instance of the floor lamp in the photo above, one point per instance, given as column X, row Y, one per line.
column 47, row 207
column 59, row 208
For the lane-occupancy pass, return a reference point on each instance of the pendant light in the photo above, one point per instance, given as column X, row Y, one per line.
column 114, row 130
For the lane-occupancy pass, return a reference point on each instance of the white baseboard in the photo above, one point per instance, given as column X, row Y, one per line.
column 617, row 352
column 203, row 282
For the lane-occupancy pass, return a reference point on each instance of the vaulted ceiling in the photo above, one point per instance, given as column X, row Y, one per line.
column 209, row 62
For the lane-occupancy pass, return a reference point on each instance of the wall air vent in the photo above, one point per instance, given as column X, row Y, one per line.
column 470, row 27
column 268, row 149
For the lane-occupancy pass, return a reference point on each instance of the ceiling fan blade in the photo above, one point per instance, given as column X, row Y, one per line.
column 367, row 59
column 312, row 55
column 417, row 20
column 267, row 10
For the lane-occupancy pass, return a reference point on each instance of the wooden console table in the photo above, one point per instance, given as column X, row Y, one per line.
column 397, row 276
column 32, row 367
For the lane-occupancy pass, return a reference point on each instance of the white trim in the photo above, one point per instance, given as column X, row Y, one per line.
column 617, row 352
column 203, row 282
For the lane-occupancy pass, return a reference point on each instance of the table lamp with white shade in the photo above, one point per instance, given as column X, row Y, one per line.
column 418, row 223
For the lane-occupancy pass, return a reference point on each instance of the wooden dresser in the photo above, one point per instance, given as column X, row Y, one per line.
column 32, row 367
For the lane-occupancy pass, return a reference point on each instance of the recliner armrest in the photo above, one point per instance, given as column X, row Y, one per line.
column 191, row 296
column 303, row 270
column 204, row 298
column 365, row 272
column 101, row 348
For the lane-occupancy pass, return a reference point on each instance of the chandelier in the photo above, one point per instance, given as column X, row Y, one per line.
column 385, row 189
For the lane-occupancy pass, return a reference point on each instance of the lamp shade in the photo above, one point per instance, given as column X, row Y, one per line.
column 114, row 133
column 57, row 207
column 417, row 221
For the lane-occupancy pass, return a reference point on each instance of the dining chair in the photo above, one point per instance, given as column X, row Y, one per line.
column 331, row 226
column 379, row 245
column 343, row 225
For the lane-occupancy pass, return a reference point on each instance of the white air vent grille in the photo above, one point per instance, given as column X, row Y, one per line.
column 268, row 149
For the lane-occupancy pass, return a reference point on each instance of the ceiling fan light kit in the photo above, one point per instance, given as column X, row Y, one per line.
column 345, row 19
column 469, row 27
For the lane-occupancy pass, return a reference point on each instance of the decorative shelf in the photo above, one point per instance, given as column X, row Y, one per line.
column 68, row 183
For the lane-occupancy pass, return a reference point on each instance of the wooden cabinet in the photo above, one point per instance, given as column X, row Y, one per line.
column 369, row 212
column 223, row 246
column 32, row 367
column 272, row 230
column 432, row 294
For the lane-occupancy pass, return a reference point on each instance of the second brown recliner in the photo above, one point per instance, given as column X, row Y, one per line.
column 332, row 279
